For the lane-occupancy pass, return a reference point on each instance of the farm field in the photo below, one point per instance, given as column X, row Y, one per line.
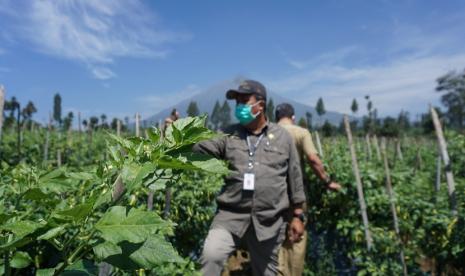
column 83, row 202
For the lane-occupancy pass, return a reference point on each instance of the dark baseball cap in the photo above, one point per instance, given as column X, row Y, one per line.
column 247, row 87
column 284, row 110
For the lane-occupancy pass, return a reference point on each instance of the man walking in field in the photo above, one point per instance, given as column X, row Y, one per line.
column 292, row 254
column 264, row 185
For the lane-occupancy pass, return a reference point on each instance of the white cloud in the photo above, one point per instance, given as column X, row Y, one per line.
column 405, row 80
column 404, row 84
column 102, row 73
column 92, row 32
column 328, row 58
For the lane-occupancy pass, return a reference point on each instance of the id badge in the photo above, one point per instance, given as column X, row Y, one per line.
column 249, row 182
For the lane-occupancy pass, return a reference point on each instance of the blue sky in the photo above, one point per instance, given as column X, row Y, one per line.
column 121, row 57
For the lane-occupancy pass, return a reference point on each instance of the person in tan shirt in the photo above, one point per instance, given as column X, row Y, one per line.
column 292, row 252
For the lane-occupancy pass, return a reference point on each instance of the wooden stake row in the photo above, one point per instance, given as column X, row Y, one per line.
column 361, row 197
column 2, row 103
column 446, row 159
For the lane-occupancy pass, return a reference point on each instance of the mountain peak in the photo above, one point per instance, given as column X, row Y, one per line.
column 206, row 101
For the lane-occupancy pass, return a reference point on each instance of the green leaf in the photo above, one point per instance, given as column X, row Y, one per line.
column 20, row 260
column 122, row 261
column 45, row 272
column 115, row 153
column 136, row 227
column 143, row 172
column 106, row 249
column 4, row 217
column 76, row 214
column 102, row 199
column 129, row 172
column 81, row 176
column 177, row 135
column 155, row 251
column 55, row 181
column 52, row 233
column 154, row 134
column 126, row 144
column 160, row 184
column 22, row 228
column 36, row 194
column 81, row 268
column 21, row 231
column 183, row 123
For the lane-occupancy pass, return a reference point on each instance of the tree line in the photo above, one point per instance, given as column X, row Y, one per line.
column 451, row 86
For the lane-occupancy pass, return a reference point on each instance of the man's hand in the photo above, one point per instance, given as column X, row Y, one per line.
column 334, row 186
column 296, row 230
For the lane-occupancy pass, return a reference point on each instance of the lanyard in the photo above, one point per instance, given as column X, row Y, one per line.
column 253, row 149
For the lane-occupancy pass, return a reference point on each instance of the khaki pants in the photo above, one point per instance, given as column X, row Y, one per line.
column 292, row 257
column 220, row 243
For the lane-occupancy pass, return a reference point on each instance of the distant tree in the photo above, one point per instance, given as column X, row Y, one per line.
column 426, row 121
column 302, row 122
column 368, row 123
column 193, row 109
column 354, row 106
column 85, row 123
column 270, row 110
column 215, row 116
column 57, row 108
column 126, row 121
column 10, row 107
column 452, row 85
column 114, row 123
column 225, row 112
column 328, row 129
column 403, row 120
column 308, row 116
column 390, row 127
column 68, row 121
column 93, row 122
column 103, row 121
column 28, row 111
column 320, row 109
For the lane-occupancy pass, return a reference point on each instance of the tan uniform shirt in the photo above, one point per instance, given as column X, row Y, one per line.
column 278, row 180
column 303, row 140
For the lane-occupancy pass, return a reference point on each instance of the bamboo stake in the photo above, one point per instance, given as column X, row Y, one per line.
column 445, row 158
column 58, row 158
column 391, row 195
column 79, row 122
column 69, row 137
column 2, row 102
column 358, row 179
column 437, row 185
column 367, row 139
column 118, row 127
column 161, row 128
column 378, row 152
column 166, row 211
column 47, row 137
column 399, row 150
column 419, row 160
column 137, row 125
column 318, row 144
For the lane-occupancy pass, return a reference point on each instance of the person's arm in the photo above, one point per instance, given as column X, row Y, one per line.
column 316, row 164
column 213, row 147
column 297, row 195
column 318, row 168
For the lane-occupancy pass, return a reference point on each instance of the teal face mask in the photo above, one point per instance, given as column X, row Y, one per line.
column 244, row 113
